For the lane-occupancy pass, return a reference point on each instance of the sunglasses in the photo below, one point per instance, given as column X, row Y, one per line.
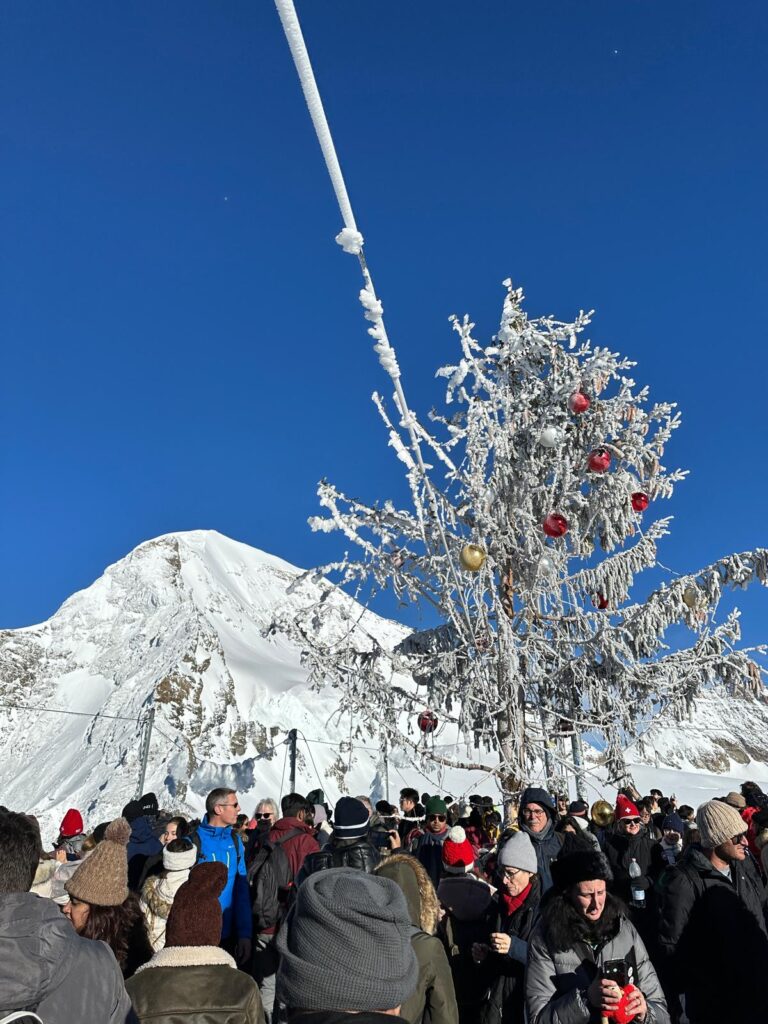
column 263, row 817
column 436, row 817
column 631, row 821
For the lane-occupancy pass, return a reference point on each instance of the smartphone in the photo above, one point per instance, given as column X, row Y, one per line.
column 616, row 970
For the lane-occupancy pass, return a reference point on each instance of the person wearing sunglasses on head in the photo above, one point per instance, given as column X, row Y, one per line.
column 426, row 843
column 711, row 922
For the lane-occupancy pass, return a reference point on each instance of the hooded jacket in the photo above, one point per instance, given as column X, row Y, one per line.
column 196, row 984
column 470, row 913
column 156, row 900
column 564, row 958
column 47, row 967
column 712, row 938
column 546, row 843
column 220, row 845
column 142, row 844
column 434, row 999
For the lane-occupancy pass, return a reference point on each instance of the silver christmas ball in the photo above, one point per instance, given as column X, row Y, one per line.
column 549, row 437
column 547, row 566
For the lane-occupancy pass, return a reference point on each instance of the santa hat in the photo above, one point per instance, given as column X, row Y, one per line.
column 625, row 808
column 458, row 855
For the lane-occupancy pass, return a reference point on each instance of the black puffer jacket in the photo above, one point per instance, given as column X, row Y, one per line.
column 620, row 850
column 506, row 996
column 357, row 853
column 712, row 939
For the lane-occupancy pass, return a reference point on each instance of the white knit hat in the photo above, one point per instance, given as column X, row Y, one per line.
column 718, row 822
column 518, row 852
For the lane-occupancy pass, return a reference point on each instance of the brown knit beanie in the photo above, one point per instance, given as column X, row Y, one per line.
column 102, row 878
column 195, row 918
column 718, row 822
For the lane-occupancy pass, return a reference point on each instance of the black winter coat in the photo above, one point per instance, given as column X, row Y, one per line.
column 342, row 853
column 712, row 939
column 506, row 997
column 620, row 850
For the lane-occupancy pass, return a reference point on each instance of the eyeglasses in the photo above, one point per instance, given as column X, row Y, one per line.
column 261, row 817
column 511, row 873
column 436, row 817
column 534, row 813
column 235, row 804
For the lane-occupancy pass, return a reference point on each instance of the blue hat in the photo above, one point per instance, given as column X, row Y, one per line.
column 350, row 818
column 673, row 821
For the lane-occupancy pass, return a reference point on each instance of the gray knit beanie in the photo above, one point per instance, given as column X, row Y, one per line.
column 718, row 822
column 518, row 852
column 346, row 944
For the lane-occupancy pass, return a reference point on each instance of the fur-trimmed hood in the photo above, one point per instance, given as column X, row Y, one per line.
column 189, row 956
column 564, row 927
column 417, row 886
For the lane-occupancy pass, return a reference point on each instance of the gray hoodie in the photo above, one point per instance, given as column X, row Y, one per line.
column 47, row 967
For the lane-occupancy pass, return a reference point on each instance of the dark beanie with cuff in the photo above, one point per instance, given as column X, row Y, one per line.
column 351, row 819
column 346, row 944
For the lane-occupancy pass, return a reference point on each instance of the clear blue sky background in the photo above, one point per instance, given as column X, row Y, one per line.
column 183, row 346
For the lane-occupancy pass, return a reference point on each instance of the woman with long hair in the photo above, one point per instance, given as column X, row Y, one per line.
column 102, row 907
column 586, row 961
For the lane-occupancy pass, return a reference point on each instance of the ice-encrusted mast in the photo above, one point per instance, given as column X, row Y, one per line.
column 524, row 536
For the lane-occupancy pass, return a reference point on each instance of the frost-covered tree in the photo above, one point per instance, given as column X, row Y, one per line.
column 532, row 496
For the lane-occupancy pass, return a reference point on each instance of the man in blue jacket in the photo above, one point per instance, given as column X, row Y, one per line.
column 217, row 842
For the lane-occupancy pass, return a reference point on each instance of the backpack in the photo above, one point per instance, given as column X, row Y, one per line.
column 271, row 881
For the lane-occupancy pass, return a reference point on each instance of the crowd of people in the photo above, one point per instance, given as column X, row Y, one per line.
column 442, row 911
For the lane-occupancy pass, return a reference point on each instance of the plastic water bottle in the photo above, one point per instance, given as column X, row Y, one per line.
column 638, row 893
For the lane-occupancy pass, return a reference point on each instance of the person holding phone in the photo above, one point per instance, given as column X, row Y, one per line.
column 585, row 954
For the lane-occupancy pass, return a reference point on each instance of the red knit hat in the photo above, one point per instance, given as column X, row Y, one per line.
column 71, row 824
column 458, row 855
column 625, row 808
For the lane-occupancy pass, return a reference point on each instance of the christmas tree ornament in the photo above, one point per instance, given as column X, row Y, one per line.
column 555, row 525
column 600, row 601
column 640, row 501
column 691, row 597
column 578, row 403
column 599, row 460
column 398, row 559
column 547, row 565
column 549, row 437
column 472, row 557
column 427, row 721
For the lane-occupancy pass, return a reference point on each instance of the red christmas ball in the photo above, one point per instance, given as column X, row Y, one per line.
column 427, row 721
column 600, row 601
column 578, row 402
column 599, row 460
column 555, row 525
column 640, row 501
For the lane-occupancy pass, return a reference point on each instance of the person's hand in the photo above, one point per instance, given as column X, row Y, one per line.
column 61, row 856
column 636, row 1004
column 604, row 995
column 243, row 951
column 480, row 951
column 394, row 839
column 500, row 942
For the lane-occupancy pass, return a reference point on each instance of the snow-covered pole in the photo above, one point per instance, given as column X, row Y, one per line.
column 351, row 241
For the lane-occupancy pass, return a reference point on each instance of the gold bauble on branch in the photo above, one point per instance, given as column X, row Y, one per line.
column 691, row 597
column 472, row 557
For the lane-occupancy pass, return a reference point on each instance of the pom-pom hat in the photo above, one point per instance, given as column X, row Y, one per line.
column 458, row 855
column 102, row 878
column 195, row 917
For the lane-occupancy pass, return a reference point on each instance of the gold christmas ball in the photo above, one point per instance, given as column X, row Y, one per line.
column 472, row 557
column 691, row 597
column 602, row 813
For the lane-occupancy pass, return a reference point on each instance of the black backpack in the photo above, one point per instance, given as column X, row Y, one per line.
column 271, row 881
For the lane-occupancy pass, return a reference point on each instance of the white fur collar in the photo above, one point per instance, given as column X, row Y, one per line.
column 190, row 956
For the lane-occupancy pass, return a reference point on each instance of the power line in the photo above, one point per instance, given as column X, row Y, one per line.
column 65, row 711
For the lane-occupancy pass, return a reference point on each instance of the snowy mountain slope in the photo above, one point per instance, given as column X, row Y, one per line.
column 182, row 618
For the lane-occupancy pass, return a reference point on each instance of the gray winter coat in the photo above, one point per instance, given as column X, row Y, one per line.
column 47, row 967
column 557, row 978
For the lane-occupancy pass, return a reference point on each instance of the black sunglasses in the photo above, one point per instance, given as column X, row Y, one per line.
column 436, row 817
column 262, row 816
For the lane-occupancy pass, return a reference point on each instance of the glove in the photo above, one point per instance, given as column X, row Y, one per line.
column 243, row 951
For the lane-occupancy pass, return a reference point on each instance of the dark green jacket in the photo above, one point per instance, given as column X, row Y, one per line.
column 194, row 985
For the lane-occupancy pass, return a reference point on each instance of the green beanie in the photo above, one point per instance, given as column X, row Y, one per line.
column 436, row 806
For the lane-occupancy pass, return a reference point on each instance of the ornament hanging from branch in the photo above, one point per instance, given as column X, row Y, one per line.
column 550, row 437
column 427, row 722
column 472, row 557
column 640, row 501
column 599, row 460
column 555, row 525
column 579, row 403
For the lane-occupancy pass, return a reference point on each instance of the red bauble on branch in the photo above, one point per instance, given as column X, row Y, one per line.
column 555, row 525
column 599, row 460
column 600, row 601
column 427, row 721
column 640, row 501
column 578, row 402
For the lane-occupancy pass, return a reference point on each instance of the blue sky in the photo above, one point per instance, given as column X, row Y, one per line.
column 183, row 346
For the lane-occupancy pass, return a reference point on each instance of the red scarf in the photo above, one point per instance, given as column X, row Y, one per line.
column 513, row 903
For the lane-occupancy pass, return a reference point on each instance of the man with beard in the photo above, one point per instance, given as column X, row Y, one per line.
column 537, row 819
